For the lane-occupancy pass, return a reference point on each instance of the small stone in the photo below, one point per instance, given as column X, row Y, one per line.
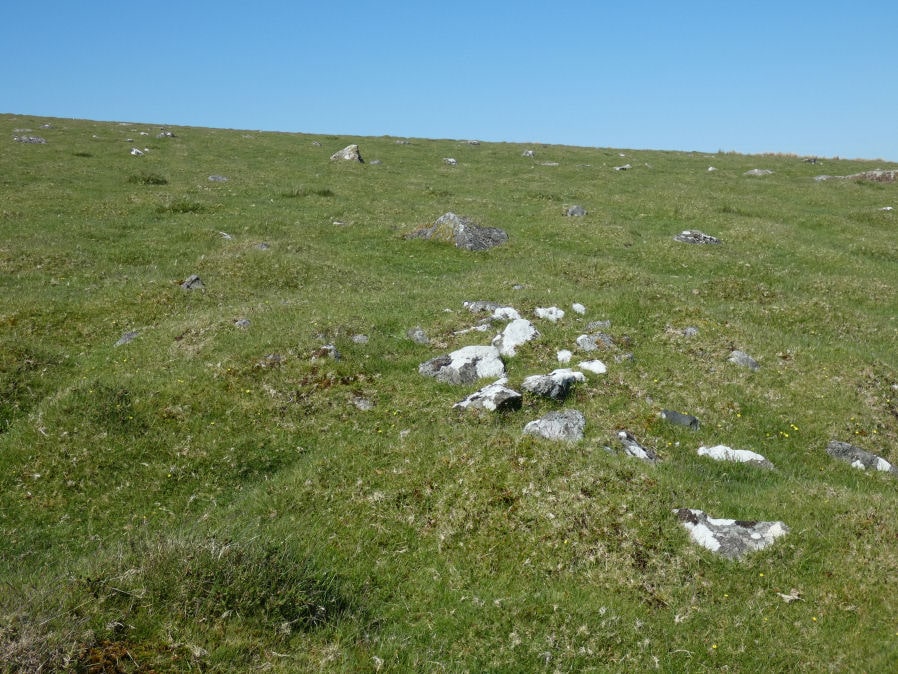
column 724, row 453
column 506, row 314
column 326, row 351
column 696, row 237
column 680, row 419
column 417, row 335
column 859, row 458
column 451, row 161
column 553, row 314
column 575, row 211
column 242, row 323
column 496, row 397
column 262, row 246
column 215, row 178
column 515, row 334
column 362, row 403
column 481, row 306
column 598, row 325
column 564, row 356
column 527, row 153
column 594, row 366
column 465, row 366
column 633, row 448
column 566, row 426
column 758, row 172
column 127, row 337
column 33, row 140
column 135, row 152
column 376, row 162
column 741, row 358
column 578, row 308
column 193, row 282
column 359, row 339
column 625, row 167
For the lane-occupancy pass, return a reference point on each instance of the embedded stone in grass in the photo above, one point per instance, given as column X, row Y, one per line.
column 527, row 153
column 461, row 231
column 242, row 323
column 564, row 356
column 417, row 335
column 552, row 314
column 729, row 538
column 33, row 140
column 496, row 397
column 348, row 153
column 506, row 314
column 625, row 167
column 695, row 236
column 859, row 458
column 127, row 337
column 632, row 447
column 193, row 282
column 724, row 453
column 758, row 172
column 465, row 366
column 743, row 359
column 516, row 333
column 594, row 366
column 595, row 341
column 360, row 339
column 451, row 161
column 578, row 308
column 363, row 404
column 135, row 152
column 564, row 426
column 215, row 178
column 575, row 211
column 481, row 306
column 326, row 351
column 680, row 419
column 556, row 385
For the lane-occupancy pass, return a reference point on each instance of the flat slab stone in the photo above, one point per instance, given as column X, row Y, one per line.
column 741, row 358
column 696, row 237
column 594, row 366
column 724, row 453
column 556, row 385
column 859, row 458
column 516, row 333
column 729, row 538
column 680, row 419
column 565, row 426
column 465, row 366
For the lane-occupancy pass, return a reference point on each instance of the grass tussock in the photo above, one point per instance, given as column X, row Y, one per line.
column 259, row 478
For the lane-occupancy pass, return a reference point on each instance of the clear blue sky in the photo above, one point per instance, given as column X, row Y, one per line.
column 811, row 77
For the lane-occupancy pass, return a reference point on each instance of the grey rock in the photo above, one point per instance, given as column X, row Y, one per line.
column 271, row 360
column 680, row 419
column 348, row 153
column 575, row 211
column 758, row 172
column 552, row 314
column 363, row 404
column 729, row 538
column 417, row 335
column 876, row 175
column 193, row 282
column 465, row 366
column 451, row 161
column 724, row 453
column 326, row 351
column 741, row 358
column 127, row 337
column 263, row 246
column 242, row 323
column 632, row 447
column 695, row 236
column 859, row 458
column 527, row 153
column 565, row 425
column 556, row 385
column 360, row 339
column 463, row 232
column 215, row 178
column 376, row 162
column 625, row 167
column 496, row 397
column 595, row 341
column 33, row 140
column 689, row 331
column 598, row 325
column 517, row 333
column 481, row 306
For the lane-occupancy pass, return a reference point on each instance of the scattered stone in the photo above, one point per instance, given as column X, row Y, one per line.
column 473, row 142
column 578, row 308
column 127, row 337
column 552, row 314
column 556, row 385
column 690, row 331
column 326, row 351
column 548, row 163
column 262, row 246
column 565, row 425
column 729, row 538
column 758, row 172
column 680, row 419
column 743, row 359
column 564, row 356
column 820, row 179
column 135, row 152
column 359, row 339
column 695, row 236
column 594, row 366
column 595, row 341
column 165, row 133
column 362, row 403
column 711, row 168
column 451, row 161
column 859, row 458
column 348, row 153
column 724, row 453
column 376, row 162
column 271, row 360
column 496, row 397
column 877, row 176
column 465, row 366
column 242, row 323
column 215, row 178
column 598, row 325
column 506, row 314
column 316, row 143
column 417, row 335
column 516, row 333
column 575, row 211
column 886, row 208
column 625, row 167
column 33, row 140
column 527, row 153
column 461, row 231
column 193, row 282
column 225, row 235
column 481, row 306
column 633, row 448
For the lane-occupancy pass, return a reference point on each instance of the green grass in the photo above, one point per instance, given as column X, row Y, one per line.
column 207, row 497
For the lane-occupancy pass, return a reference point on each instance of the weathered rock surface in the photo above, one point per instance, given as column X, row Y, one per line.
column 564, row 356
column 553, row 314
column 758, row 172
column 876, row 175
column 724, row 453
column 417, row 335
column 506, row 314
column 575, row 211
column 594, row 366
column 859, row 458
column 481, row 306
column 34, row 140
column 743, row 359
column 463, row 232
column 695, row 236
column 516, row 333
column 465, row 366
column 729, row 538
column 348, row 153
column 556, row 385
column 565, row 425
column 129, row 336
column 633, row 448
column 496, row 397
column 680, row 419
column 578, row 308
column 193, row 282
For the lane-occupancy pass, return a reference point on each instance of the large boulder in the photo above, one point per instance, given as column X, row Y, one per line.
column 462, row 232
column 729, row 538
column 566, row 426
column 465, row 366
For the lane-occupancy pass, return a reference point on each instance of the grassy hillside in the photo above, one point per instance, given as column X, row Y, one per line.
column 209, row 497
